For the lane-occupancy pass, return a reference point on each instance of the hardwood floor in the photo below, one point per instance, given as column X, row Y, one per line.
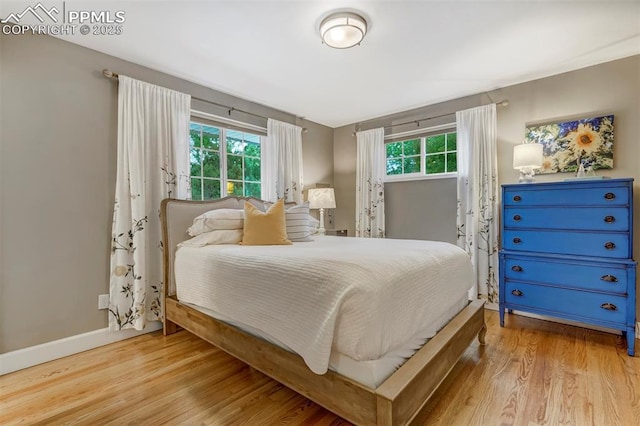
column 531, row 372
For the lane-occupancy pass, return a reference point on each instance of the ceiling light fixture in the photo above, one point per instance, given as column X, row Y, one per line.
column 343, row 30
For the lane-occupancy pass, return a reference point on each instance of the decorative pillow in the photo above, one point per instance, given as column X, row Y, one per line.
column 220, row 236
column 214, row 220
column 265, row 228
column 297, row 218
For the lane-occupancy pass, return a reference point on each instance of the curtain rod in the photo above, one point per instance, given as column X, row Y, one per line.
column 502, row 103
column 111, row 74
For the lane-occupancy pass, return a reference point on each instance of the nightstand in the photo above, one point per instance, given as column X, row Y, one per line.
column 337, row 232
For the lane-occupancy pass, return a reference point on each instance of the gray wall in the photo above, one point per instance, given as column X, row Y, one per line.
column 317, row 153
column 609, row 88
column 421, row 209
column 344, row 177
column 57, row 180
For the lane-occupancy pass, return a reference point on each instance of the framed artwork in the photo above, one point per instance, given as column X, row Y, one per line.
column 567, row 144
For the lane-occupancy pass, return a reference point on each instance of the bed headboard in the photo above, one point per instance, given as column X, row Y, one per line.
column 177, row 215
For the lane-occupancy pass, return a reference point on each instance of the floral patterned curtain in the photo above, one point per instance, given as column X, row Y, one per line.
column 153, row 164
column 370, row 173
column 477, row 217
column 282, row 162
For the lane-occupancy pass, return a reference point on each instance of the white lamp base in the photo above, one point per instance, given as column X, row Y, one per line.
column 526, row 175
column 321, row 230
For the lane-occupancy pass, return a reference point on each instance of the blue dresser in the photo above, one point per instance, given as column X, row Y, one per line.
column 567, row 252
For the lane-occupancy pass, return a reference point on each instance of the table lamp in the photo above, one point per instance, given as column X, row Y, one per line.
column 527, row 157
column 322, row 198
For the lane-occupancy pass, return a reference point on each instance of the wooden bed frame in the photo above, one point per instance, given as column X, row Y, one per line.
column 397, row 401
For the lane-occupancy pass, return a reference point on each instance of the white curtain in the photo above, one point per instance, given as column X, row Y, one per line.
column 370, row 173
column 282, row 162
column 153, row 164
column 477, row 217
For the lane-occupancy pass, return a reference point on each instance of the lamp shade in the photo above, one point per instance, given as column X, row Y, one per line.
column 527, row 155
column 322, row 198
column 343, row 30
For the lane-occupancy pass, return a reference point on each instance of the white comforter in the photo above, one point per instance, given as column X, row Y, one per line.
column 363, row 297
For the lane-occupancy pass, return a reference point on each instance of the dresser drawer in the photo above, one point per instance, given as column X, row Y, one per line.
column 563, row 302
column 579, row 218
column 605, row 196
column 577, row 275
column 609, row 245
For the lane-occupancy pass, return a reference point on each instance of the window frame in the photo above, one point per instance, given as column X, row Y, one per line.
column 222, row 152
column 421, row 134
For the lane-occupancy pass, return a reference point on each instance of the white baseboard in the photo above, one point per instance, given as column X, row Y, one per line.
column 34, row 355
column 494, row 307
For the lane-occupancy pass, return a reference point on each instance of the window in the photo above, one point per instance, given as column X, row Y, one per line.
column 441, row 153
column 423, row 156
column 223, row 162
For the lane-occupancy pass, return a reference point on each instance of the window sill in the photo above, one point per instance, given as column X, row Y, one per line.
column 417, row 176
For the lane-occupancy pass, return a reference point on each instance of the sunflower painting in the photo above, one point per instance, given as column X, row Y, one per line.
column 568, row 144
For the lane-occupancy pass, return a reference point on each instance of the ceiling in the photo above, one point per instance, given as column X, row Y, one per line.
column 415, row 53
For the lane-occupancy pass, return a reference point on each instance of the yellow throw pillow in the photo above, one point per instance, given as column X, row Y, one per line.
column 263, row 229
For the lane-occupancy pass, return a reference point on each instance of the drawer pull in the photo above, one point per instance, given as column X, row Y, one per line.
column 517, row 198
column 609, row 196
column 609, row 278
column 609, row 219
column 517, row 268
column 609, row 306
column 609, row 245
column 517, row 240
column 517, row 218
column 518, row 293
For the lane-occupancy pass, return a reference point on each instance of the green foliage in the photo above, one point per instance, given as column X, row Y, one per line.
column 252, row 169
column 411, row 164
column 196, row 189
column 211, row 189
column 394, row 149
column 211, row 164
column 252, row 190
column 196, row 162
column 411, row 147
column 435, row 164
column 252, row 150
column 234, row 167
column 452, row 141
column 452, row 162
column 436, row 144
column 210, row 138
column 394, row 166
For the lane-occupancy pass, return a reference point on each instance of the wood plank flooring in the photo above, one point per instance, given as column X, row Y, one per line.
column 531, row 372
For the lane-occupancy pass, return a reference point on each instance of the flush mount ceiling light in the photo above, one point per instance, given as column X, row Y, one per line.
column 343, row 30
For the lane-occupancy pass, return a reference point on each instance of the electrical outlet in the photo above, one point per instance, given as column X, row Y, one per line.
column 103, row 301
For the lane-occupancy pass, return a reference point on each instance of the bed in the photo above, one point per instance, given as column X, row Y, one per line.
column 393, row 400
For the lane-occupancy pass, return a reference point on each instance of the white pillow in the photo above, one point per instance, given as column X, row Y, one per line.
column 214, row 220
column 314, row 224
column 220, row 236
column 297, row 219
